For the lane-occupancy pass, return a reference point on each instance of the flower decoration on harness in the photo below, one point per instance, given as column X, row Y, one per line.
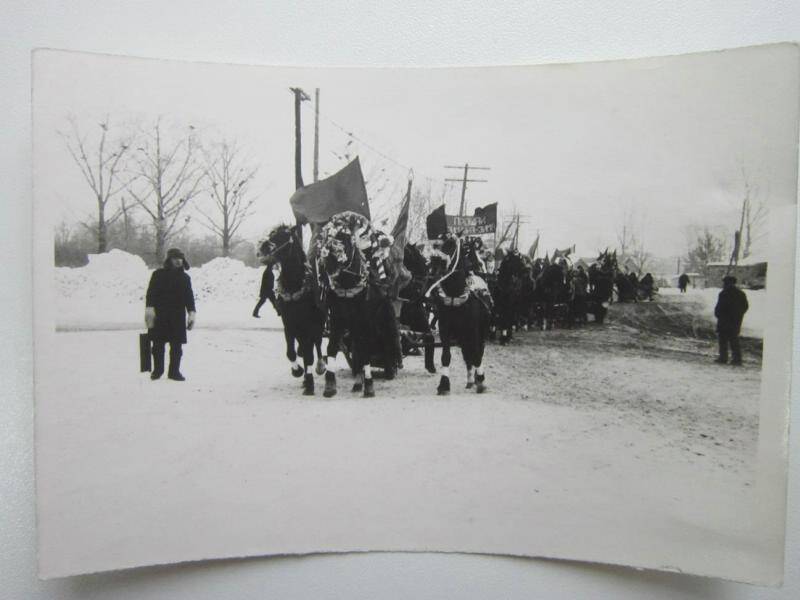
column 341, row 246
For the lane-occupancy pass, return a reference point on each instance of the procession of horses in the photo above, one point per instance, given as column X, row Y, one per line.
column 378, row 302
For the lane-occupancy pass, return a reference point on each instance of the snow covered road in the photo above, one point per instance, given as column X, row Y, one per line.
column 615, row 436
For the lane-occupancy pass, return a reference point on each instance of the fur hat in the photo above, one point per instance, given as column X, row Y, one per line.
column 177, row 253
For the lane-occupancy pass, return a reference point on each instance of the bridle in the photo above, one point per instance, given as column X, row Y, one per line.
column 277, row 249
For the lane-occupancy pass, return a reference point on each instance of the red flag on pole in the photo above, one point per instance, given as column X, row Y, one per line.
column 345, row 190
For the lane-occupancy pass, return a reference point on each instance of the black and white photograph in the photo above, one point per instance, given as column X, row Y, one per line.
column 540, row 311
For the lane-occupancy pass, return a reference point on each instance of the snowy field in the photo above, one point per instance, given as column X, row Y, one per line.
column 619, row 432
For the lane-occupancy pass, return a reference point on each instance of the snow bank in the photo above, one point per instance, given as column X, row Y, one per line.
column 109, row 292
column 754, row 319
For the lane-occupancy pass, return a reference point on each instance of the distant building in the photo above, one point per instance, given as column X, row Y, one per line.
column 750, row 272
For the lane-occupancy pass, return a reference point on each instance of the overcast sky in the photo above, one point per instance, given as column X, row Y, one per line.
column 573, row 147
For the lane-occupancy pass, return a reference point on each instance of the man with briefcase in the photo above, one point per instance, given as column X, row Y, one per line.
column 169, row 299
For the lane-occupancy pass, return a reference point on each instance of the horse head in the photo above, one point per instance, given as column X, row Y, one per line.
column 341, row 245
column 280, row 242
column 511, row 271
column 415, row 262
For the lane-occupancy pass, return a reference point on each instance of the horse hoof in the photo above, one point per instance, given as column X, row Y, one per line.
column 320, row 369
column 480, row 388
column 469, row 385
column 297, row 371
column 444, row 386
column 330, row 385
column 308, row 385
column 430, row 369
column 388, row 374
column 357, row 386
column 369, row 390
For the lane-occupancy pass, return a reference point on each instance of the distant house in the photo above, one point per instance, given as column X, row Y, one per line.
column 750, row 272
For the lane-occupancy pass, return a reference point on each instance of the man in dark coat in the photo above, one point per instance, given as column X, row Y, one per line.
column 683, row 282
column 267, row 291
column 730, row 309
column 169, row 299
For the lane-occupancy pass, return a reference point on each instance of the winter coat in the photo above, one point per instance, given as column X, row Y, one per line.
column 170, row 293
column 267, row 290
column 730, row 309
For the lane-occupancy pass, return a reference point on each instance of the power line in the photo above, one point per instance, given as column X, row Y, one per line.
column 349, row 133
column 464, row 182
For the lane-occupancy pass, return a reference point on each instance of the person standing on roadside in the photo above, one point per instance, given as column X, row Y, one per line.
column 683, row 282
column 169, row 299
column 730, row 309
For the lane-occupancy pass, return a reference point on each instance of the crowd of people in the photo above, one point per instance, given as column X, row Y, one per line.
column 376, row 304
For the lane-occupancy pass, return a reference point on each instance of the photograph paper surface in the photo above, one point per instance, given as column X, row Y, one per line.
column 536, row 311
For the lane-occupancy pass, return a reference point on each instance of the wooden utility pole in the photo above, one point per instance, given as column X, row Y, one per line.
column 464, row 182
column 316, row 135
column 299, row 96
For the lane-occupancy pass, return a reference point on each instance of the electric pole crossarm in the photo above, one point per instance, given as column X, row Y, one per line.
column 470, row 166
column 464, row 180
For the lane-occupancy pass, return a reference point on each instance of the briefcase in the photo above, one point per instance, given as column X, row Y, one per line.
column 145, row 353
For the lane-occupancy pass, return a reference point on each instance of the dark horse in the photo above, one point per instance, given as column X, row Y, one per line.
column 601, row 284
column 553, row 290
column 303, row 320
column 414, row 312
column 345, row 273
column 508, row 293
column 463, row 316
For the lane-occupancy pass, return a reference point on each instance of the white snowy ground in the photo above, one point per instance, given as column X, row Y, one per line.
column 605, row 444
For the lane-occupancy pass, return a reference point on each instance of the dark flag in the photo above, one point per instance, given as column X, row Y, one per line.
column 345, row 190
column 436, row 223
column 399, row 232
column 534, row 248
column 397, row 252
column 487, row 217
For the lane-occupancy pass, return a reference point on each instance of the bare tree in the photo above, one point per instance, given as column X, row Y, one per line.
column 630, row 242
column 418, row 210
column 169, row 176
column 626, row 235
column 228, row 179
column 754, row 213
column 705, row 247
column 639, row 257
column 101, row 164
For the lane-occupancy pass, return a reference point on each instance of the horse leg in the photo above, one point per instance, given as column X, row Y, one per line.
column 320, row 369
column 480, row 376
column 361, row 347
column 466, row 354
column 291, row 354
column 430, row 366
column 333, row 347
column 307, row 350
column 444, row 380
